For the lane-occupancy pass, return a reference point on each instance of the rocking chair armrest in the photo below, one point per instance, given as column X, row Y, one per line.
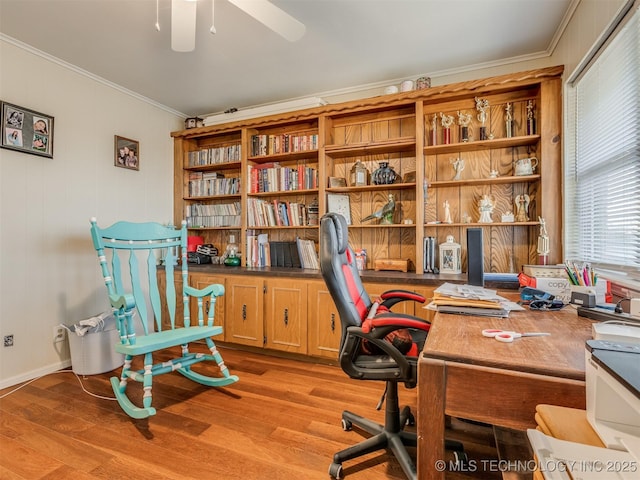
column 391, row 297
column 214, row 289
column 122, row 302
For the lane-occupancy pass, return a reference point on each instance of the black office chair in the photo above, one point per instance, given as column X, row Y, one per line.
column 376, row 344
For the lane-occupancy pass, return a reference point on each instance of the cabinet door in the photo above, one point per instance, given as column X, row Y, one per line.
column 202, row 281
column 244, row 306
column 286, row 315
column 324, row 329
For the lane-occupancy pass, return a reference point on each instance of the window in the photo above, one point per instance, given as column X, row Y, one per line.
column 602, row 161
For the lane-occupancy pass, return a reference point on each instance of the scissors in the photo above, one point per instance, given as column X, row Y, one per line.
column 507, row 336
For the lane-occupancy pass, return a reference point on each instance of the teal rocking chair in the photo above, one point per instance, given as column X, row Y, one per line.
column 130, row 274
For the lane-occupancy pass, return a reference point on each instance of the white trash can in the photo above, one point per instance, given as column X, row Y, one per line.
column 92, row 345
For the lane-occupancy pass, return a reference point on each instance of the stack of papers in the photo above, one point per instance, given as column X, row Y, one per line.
column 471, row 300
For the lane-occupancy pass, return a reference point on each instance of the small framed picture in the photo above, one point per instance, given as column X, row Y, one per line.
column 127, row 153
column 26, row 130
column 337, row 182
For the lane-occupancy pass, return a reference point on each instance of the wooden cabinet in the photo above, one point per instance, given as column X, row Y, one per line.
column 202, row 281
column 286, row 315
column 325, row 143
column 323, row 322
column 244, row 312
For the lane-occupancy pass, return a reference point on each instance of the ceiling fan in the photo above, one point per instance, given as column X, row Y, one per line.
column 183, row 21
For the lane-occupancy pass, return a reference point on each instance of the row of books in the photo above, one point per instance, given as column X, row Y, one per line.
column 263, row 144
column 203, row 184
column 276, row 213
column 216, row 215
column 272, row 177
column 263, row 253
column 215, row 155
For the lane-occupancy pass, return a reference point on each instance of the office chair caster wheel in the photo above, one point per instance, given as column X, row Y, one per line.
column 335, row 471
column 411, row 420
column 346, row 425
column 462, row 460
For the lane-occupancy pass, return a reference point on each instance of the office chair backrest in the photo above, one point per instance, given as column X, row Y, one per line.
column 337, row 264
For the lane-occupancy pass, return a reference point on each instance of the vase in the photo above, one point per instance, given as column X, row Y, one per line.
column 384, row 174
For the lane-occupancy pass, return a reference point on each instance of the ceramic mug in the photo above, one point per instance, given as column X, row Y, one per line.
column 526, row 166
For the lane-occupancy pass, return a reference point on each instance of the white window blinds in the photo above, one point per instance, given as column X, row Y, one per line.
column 602, row 163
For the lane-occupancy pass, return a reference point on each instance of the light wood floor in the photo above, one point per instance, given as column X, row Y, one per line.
column 280, row 421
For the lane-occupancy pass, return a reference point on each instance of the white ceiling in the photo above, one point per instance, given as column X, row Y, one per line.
column 347, row 43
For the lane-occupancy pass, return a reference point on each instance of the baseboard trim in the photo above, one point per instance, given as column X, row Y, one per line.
column 39, row 372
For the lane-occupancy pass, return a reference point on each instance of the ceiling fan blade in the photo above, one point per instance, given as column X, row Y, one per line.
column 272, row 17
column 183, row 25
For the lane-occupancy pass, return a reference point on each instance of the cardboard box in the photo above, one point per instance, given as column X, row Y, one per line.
column 561, row 288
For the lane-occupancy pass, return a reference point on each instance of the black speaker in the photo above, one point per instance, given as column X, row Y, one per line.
column 475, row 257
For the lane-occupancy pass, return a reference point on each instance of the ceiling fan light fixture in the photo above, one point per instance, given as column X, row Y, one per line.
column 183, row 25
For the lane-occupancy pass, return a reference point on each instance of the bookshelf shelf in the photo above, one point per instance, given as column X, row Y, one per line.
column 398, row 130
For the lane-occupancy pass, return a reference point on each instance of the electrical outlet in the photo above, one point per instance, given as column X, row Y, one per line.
column 58, row 334
column 8, row 340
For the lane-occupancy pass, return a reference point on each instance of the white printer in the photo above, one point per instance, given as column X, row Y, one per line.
column 613, row 410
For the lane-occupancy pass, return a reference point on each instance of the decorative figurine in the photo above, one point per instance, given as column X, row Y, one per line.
column 447, row 121
column 481, row 106
column 458, row 167
column 485, row 206
column 531, row 121
column 434, row 129
column 466, row 218
column 450, row 256
column 464, row 119
column 508, row 120
column 447, row 212
column 522, row 207
column 385, row 214
column 543, row 243
column 493, row 174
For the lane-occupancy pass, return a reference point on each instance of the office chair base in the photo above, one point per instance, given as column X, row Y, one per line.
column 391, row 437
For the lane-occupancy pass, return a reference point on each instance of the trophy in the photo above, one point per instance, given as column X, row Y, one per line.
column 434, row 129
column 447, row 121
column 508, row 120
column 531, row 121
column 464, row 119
column 543, row 243
column 481, row 106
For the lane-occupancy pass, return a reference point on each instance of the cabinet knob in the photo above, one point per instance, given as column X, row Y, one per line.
column 286, row 316
column 333, row 322
column 244, row 311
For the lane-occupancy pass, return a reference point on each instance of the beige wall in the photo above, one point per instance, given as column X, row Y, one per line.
column 48, row 269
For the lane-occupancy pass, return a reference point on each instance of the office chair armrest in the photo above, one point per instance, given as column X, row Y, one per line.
column 397, row 320
column 357, row 335
column 391, row 297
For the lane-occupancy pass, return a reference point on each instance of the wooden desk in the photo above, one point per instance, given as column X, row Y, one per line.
column 463, row 374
